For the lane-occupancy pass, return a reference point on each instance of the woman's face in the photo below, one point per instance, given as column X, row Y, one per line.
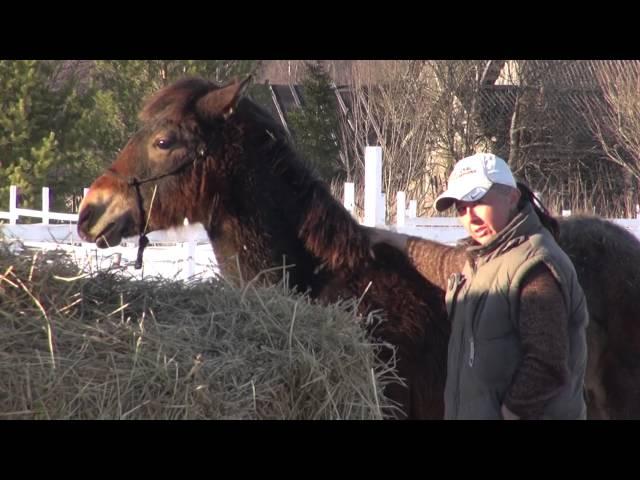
column 486, row 217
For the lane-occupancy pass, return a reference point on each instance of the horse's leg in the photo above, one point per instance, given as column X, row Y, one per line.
column 613, row 378
column 619, row 362
column 621, row 376
column 622, row 379
column 597, row 408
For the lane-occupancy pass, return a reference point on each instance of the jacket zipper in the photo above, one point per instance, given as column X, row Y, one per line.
column 458, row 282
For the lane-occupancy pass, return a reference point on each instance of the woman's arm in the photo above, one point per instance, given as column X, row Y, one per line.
column 435, row 261
column 544, row 332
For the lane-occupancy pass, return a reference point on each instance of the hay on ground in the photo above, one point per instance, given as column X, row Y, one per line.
column 74, row 346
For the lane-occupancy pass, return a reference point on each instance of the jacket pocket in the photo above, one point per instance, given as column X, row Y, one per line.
column 495, row 360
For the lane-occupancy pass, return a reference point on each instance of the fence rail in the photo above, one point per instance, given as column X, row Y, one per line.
column 175, row 253
column 188, row 238
column 45, row 214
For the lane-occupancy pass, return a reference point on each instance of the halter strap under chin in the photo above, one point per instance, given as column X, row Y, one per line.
column 143, row 240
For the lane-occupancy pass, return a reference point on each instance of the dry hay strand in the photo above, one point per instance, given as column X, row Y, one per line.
column 75, row 346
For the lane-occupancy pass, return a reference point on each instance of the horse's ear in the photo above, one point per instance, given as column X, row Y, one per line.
column 222, row 102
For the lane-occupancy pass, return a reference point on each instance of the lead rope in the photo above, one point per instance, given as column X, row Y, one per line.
column 143, row 241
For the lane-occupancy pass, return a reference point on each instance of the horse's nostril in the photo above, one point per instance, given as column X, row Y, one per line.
column 83, row 215
column 83, row 222
column 88, row 217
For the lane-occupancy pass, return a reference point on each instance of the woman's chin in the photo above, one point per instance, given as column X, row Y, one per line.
column 483, row 237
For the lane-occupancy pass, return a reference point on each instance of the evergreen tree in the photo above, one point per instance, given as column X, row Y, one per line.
column 125, row 84
column 315, row 125
column 29, row 111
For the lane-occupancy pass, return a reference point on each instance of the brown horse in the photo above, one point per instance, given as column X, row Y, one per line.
column 607, row 261
column 207, row 154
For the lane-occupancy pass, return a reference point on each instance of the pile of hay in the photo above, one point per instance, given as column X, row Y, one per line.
column 103, row 347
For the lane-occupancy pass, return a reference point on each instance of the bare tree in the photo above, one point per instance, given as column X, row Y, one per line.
column 413, row 111
column 547, row 142
column 428, row 114
column 615, row 122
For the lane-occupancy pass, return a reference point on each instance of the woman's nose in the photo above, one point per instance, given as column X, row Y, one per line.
column 469, row 211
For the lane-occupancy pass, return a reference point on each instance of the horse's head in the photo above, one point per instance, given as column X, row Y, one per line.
column 157, row 178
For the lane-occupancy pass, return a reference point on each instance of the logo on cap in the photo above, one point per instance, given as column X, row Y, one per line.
column 474, row 194
column 461, row 172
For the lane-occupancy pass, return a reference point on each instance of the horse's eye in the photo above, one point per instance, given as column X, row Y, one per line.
column 164, row 143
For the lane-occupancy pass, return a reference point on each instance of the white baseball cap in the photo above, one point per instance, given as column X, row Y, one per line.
column 472, row 177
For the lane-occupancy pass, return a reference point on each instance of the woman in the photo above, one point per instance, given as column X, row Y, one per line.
column 518, row 314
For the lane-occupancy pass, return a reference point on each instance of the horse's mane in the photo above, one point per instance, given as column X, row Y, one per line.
column 173, row 101
column 328, row 230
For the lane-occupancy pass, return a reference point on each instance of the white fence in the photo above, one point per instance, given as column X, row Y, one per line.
column 14, row 212
column 181, row 253
column 441, row 229
column 185, row 252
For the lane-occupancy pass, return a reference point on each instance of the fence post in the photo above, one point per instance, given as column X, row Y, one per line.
column 13, row 204
column 189, row 251
column 190, row 256
column 372, row 185
column 400, row 208
column 349, row 197
column 45, row 205
column 413, row 208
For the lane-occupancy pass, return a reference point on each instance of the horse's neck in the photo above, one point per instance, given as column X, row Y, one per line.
column 257, row 245
column 330, row 233
column 239, row 254
column 274, row 208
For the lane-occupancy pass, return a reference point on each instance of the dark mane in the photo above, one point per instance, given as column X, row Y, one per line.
column 298, row 196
